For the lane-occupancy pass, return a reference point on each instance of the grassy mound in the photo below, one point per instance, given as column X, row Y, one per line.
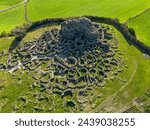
column 16, row 95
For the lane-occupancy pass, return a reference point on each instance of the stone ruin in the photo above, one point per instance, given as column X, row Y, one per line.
column 79, row 29
column 79, row 35
column 77, row 58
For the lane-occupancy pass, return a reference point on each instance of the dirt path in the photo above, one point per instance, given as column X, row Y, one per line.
column 109, row 100
column 14, row 6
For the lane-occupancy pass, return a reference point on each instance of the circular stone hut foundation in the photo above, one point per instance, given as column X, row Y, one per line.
column 80, row 56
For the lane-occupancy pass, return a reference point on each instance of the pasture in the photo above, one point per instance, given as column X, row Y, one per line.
column 9, row 2
column 38, row 10
column 122, row 9
column 141, row 24
column 12, row 18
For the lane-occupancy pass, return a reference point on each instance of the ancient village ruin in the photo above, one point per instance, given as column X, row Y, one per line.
column 70, row 62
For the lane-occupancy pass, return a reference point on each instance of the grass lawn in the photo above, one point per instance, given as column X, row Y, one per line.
column 141, row 24
column 122, row 9
column 38, row 10
column 10, row 2
column 5, row 43
column 3, row 7
column 12, row 18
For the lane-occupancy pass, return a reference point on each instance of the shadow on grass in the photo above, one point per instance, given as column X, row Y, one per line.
column 14, row 44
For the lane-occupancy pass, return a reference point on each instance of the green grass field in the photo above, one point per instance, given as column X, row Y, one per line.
column 38, row 10
column 141, row 24
column 122, row 9
column 3, row 7
column 9, row 2
column 12, row 18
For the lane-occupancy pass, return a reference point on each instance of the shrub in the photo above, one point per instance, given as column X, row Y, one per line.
column 132, row 31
